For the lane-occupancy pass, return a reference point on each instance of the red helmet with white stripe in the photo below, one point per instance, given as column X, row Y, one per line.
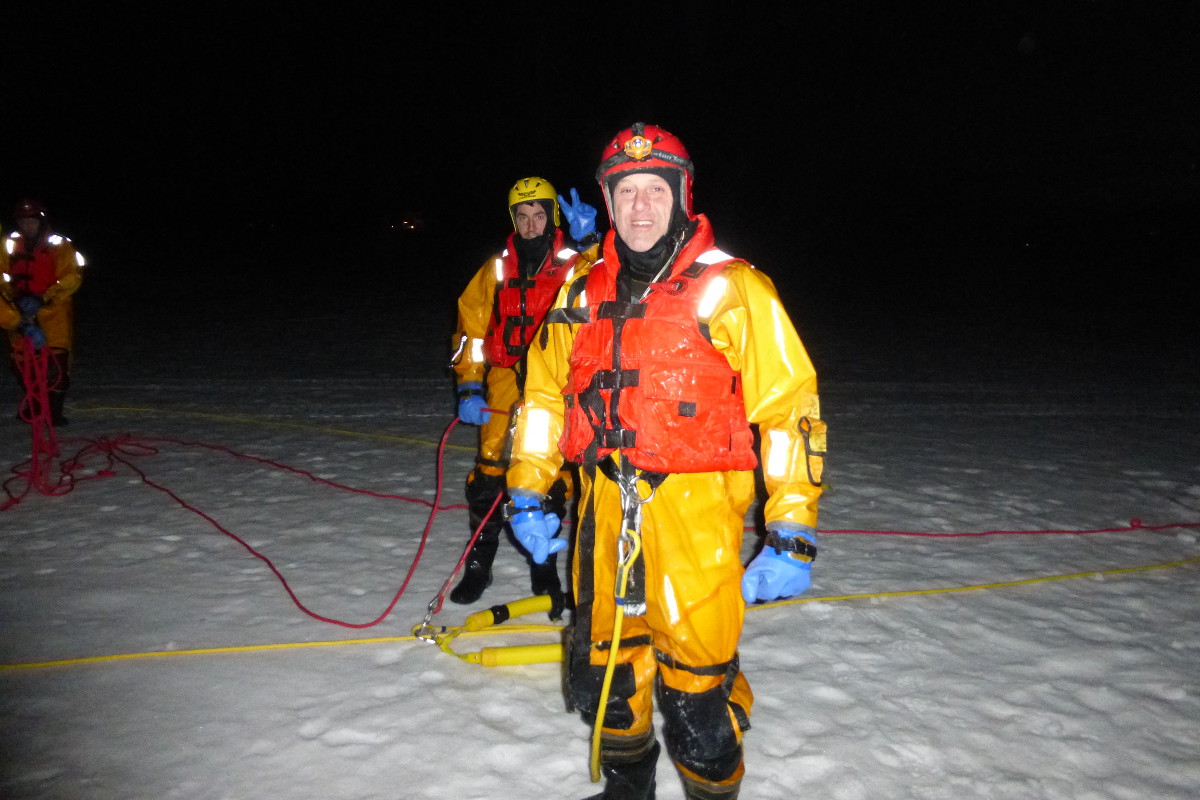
column 647, row 148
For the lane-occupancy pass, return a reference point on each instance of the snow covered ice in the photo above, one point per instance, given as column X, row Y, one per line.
column 906, row 672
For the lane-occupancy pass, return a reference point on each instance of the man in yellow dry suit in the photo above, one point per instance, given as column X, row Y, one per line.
column 498, row 313
column 649, row 372
column 41, row 272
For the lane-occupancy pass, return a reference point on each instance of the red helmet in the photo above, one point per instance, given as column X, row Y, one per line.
column 646, row 148
column 27, row 208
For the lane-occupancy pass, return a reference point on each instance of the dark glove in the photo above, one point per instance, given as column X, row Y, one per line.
column 581, row 216
column 33, row 332
column 784, row 570
column 472, row 408
column 28, row 305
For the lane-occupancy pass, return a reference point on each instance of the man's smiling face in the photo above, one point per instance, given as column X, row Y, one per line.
column 642, row 207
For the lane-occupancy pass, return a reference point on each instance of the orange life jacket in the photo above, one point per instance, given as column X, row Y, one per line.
column 645, row 378
column 31, row 272
column 521, row 303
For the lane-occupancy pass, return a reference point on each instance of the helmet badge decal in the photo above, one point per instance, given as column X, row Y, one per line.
column 526, row 192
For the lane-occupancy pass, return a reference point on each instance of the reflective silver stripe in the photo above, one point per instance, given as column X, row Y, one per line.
column 536, row 438
column 712, row 294
column 713, row 256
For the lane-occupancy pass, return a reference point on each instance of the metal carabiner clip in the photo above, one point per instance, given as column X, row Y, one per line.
column 426, row 632
column 629, row 541
column 632, row 501
column 458, row 353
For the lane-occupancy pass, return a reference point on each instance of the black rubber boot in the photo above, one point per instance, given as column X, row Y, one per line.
column 543, row 579
column 57, row 401
column 482, row 491
column 477, row 573
column 58, row 380
column 631, row 781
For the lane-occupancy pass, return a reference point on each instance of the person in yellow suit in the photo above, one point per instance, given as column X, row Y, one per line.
column 41, row 273
column 498, row 314
column 10, row 316
column 650, row 371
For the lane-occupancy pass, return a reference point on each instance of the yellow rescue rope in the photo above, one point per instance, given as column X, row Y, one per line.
column 634, row 541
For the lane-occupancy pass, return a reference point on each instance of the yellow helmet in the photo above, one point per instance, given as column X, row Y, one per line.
column 531, row 190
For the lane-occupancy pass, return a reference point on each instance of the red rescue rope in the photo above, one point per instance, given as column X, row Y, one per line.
column 1134, row 525
column 114, row 451
column 435, row 605
column 34, row 367
column 123, row 448
column 119, row 451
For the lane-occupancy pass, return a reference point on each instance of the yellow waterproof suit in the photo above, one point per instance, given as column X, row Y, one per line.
column 691, row 527
column 498, row 314
column 476, row 315
column 50, row 269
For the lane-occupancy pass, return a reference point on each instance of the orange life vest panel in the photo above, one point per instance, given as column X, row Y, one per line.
column 521, row 303
column 31, row 272
column 645, row 379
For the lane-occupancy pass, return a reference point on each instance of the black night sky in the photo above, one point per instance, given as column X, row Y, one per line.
column 897, row 163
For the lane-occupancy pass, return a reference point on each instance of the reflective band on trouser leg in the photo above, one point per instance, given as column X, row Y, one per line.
column 696, row 788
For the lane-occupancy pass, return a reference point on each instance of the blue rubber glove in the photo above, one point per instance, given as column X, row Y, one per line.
column 33, row 332
column 472, row 408
column 534, row 528
column 580, row 215
column 28, row 305
column 773, row 574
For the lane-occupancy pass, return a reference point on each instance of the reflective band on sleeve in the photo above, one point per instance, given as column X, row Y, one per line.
column 79, row 259
column 476, row 350
column 499, row 265
column 54, row 238
column 712, row 295
column 8, row 245
column 537, row 431
column 781, row 452
column 565, row 253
